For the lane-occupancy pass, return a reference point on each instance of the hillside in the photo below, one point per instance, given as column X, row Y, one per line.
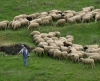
column 47, row 68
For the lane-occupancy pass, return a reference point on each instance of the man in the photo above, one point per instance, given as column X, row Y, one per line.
column 25, row 53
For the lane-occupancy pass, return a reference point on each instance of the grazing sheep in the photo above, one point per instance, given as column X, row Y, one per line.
column 87, row 17
column 3, row 25
column 47, row 48
column 74, row 57
column 33, row 26
column 93, row 50
column 43, row 35
column 56, row 16
column 57, row 34
column 67, row 44
column 16, row 24
column 57, row 54
column 97, row 17
column 42, row 44
column 95, row 57
column 88, row 61
column 51, row 52
column 63, row 48
column 61, row 22
column 45, row 22
column 64, row 55
column 24, row 22
column 71, row 20
column 39, row 51
column 90, row 54
column 39, row 40
column 35, row 33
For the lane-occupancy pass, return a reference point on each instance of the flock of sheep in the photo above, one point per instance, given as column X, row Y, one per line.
column 52, row 43
column 35, row 20
column 61, row 48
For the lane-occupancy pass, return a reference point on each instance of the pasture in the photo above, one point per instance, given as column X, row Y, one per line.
column 47, row 68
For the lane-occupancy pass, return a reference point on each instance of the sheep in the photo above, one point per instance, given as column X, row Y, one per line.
column 50, row 41
column 71, row 49
column 78, row 47
column 50, row 35
column 68, row 15
column 95, row 57
column 62, row 39
column 54, row 38
column 88, row 61
column 45, row 22
column 90, row 54
column 87, row 18
column 6, row 21
column 34, row 33
column 24, row 22
column 80, row 53
column 19, row 17
column 38, row 20
column 57, row 34
column 47, row 48
column 43, row 35
column 3, row 25
column 97, row 17
column 59, row 43
column 67, row 44
column 71, row 20
column 42, row 44
column 51, row 52
column 16, row 24
column 39, row 40
column 90, row 47
column 33, row 26
column 93, row 50
column 36, row 38
column 77, row 18
column 74, row 57
column 56, row 16
column 57, row 54
column 32, row 16
column 63, row 48
column 61, row 22
column 39, row 51
column 47, row 18
column 90, row 8
column 64, row 55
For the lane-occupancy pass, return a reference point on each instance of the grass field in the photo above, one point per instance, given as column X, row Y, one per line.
column 47, row 69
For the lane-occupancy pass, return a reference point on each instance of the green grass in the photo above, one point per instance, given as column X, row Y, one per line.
column 47, row 69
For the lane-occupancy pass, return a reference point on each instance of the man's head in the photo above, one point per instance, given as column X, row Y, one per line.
column 22, row 45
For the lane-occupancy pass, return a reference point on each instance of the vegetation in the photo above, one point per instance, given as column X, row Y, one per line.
column 46, row 69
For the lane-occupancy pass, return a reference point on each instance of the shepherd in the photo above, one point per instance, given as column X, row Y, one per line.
column 25, row 54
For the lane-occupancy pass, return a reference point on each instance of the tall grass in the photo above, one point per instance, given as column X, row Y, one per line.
column 47, row 69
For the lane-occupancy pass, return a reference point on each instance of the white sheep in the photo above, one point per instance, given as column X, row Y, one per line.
column 63, row 48
column 61, row 22
column 88, row 61
column 33, row 26
column 97, row 16
column 34, row 33
column 90, row 54
column 57, row 34
column 3, row 25
column 74, row 57
column 46, row 22
column 39, row 51
column 64, row 55
column 57, row 54
column 16, row 25
column 95, row 57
